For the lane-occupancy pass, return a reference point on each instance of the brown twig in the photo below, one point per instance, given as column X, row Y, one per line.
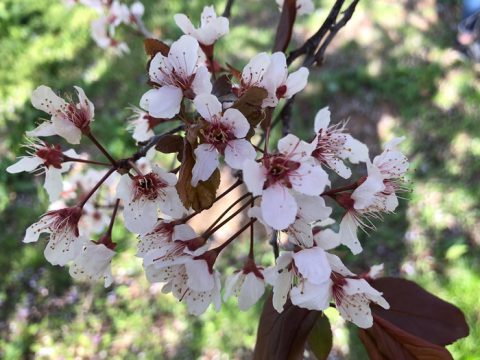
column 153, row 141
column 228, row 8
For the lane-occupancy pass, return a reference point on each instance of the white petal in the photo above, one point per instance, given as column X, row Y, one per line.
column 337, row 265
column 300, row 233
column 27, row 163
column 322, row 119
column 124, row 188
column 184, row 23
column 183, row 232
column 84, row 102
column 250, row 292
column 208, row 106
column 43, row 98
column 364, row 195
column 310, row 179
column 254, row 176
column 93, row 263
column 337, row 165
column 313, row 265
column 205, row 164
column 296, row 82
column 163, row 102
column 33, row 231
column 202, row 83
column 278, row 207
column 46, row 128
column 354, row 150
column 53, row 183
column 256, row 212
column 66, row 129
column 295, row 148
column 140, row 215
column 237, row 151
column 327, row 239
column 199, row 277
column 312, row 208
column 237, row 122
column 208, row 15
column 232, row 284
column 391, row 202
column 160, row 69
column 183, row 55
column 167, row 177
column 281, row 288
column 276, row 73
column 311, row 296
column 62, row 248
column 170, row 203
column 253, row 72
column 348, row 233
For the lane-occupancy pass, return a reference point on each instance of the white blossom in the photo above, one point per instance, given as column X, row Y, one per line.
column 248, row 285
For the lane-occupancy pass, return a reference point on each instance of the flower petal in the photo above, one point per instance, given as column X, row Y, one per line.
column 251, row 291
column 202, row 83
column 237, row 151
column 322, row 119
column 199, row 276
column 66, row 129
column 163, row 102
column 183, row 55
column 27, row 163
column 46, row 128
column 313, row 265
column 296, row 82
column 312, row 208
column 254, row 176
column 43, row 98
column 311, row 296
column 205, row 164
column 310, row 179
column 184, row 23
column 160, row 69
column 237, row 122
column 53, row 183
column 348, row 233
column 278, row 207
column 208, row 106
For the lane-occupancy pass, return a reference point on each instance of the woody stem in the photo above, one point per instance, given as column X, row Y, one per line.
column 102, row 149
column 250, row 253
column 234, row 236
column 95, row 188
column 114, row 215
column 68, row 158
column 340, row 189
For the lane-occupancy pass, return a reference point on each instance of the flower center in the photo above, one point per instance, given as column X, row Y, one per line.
column 51, row 155
column 218, row 135
column 79, row 116
column 147, row 186
column 279, row 169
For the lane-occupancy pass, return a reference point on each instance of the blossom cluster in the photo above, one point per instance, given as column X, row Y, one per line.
column 225, row 118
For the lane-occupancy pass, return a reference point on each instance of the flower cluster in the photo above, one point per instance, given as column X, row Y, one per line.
column 224, row 118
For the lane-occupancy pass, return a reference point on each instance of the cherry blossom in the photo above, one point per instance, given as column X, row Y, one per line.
column 291, row 168
column 253, row 74
column 279, row 83
column 303, row 6
column 62, row 225
column 248, row 285
column 51, row 159
column 141, row 125
column 223, row 134
column 93, row 263
column 211, row 27
column 143, row 195
column 175, row 76
column 334, row 146
column 68, row 120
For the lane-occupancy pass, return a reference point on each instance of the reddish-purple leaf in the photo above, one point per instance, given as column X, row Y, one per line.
column 285, row 25
column 283, row 336
column 420, row 313
column 154, row 46
column 320, row 339
column 171, row 143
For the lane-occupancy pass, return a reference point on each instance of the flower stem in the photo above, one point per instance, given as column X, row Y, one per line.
column 102, row 149
column 86, row 161
column 114, row 215
column 95, row 188
column 234, row 236
column 340, row 189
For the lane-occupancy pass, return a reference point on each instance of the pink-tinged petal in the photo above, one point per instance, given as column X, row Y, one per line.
column 167, row 177
column 354, row 150
column 313, row 265
column 253, row 72
column 199, row 276
column 391, row 202
column 84, row 101
column 322, row 119
column 312, row 208
column 163, row 102
column 337, row 165
column 256, row 212
column 208, row 106
column 183, row 232
column 125, row 188
column 183, row 55
column 160, row 69
column 281, row 288
column 43, row 98
column 62, row 248
column 327, row 239
column 364, row 195
column 254, row 176
column 311, row 296
column 93, row 263
column 184, row 23
column 140, row 215
column 44, row 129
column 300, row 233
column 53, row 183
column 202, row 83
column 348, row 233
column 27, row 163
column 276, row 73
column 337, row 265
column 33, row 231
column 66, row 129
column 215, row 29
column 232, row 284
column 208, row 15
column 237, row 122
column 237, row 151
column 296, row 82
column 170, row 203
column 250, row 292
column 278, row 207
column 295, row 148
column 205, row 164
column 310, row 179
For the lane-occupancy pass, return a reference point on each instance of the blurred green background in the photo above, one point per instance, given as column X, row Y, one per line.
column 391, row 71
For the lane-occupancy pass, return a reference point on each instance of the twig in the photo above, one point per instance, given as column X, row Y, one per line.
column 228, row 8
column 152, row 142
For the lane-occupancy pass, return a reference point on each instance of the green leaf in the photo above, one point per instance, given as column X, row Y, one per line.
column 320, row 339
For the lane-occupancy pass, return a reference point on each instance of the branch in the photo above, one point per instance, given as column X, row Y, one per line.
column 152, row 142
column 228, row 8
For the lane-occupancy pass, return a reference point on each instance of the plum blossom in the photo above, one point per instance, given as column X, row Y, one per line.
column 143, row 195
column 305, row 275
column 291, row 168
column 141, row 124
column 103, row 38
column 175, row 76
column 211, row 27
column 62, row 225
column 279, row 83
column 353, row 297
column 93, row 263
column 252, row 74
column 303, row 6
column 223, row 134
column 334, row 146
column 68, row 120
column 51, row 159
column 248, row 285
column 374, row 196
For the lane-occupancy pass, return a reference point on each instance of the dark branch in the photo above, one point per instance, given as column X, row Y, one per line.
column 228, row 8
column 153, row 141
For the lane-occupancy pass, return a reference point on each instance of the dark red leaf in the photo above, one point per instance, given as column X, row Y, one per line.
column 320, row 339
column 170, row 144
column 222, row 86
column 283, row 336
column 154, row 46
column 285, row 25
column 250, row 105
column 420, row 313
